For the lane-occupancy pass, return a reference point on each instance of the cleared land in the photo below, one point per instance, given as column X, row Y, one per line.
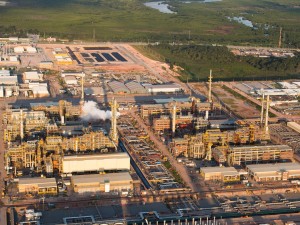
column 132, row 21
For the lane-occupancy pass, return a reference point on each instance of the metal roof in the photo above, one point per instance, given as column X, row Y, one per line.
column 46, row 104
column 261, row 148
column 99, row 156
column 117, row 87
column 224, row 170
column 168, row 100
column 37, row 181
column 135, row 87
column 101, row 178
column 268, row 168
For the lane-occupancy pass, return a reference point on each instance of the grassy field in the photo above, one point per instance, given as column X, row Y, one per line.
column 130, row 20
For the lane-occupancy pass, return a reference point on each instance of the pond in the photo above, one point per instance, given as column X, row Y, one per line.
column 241, row 20
column 160, row 6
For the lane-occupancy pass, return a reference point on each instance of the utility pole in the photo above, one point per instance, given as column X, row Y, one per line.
column 280, row 37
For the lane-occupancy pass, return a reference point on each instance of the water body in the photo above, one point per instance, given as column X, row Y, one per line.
column 4, row 3
column 204, row 1
column 160, row 6
column 241, row 20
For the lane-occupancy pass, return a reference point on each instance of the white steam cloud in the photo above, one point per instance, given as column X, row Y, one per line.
column 91, row 111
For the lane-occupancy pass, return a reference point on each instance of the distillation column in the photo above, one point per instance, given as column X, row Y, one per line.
column 113, row 130
column 267, row 116
column 174, row 119
column 209, row 93
column 262, row 109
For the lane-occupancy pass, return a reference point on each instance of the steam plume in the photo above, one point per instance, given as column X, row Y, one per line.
column 91, row 111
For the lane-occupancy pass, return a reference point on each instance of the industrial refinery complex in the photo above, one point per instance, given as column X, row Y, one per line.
column 100, row 134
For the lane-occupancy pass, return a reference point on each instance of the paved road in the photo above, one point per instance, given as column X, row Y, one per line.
column 181, row 169
column 2, row 170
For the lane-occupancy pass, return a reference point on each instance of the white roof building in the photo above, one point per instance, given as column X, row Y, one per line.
column 4, row 73
column 39, row 90
column 82, row 163
column 274, row 172
column 71, row 80
column 165, row 88
column 32, row 76
column 19, row 49
column 9, row 80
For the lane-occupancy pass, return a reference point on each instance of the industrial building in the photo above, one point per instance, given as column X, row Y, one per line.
column 274, row 172
column 118, row 87
column 281, row 134
column 39, row 90
column 94, row 91
column 32, row 76
column 162, row 88
column 188, row 146
column 110, row 182
column 100, row 162
column 25, row 49
column 149, row 110
column 70, row 80
column 29, row 147
column 135, row 87
column 37, row 185
column 224, row 174
column 258, row 154
column 46, row 65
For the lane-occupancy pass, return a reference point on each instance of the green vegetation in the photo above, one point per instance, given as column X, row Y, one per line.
column 197, row 60
column 175, row 174
column 130, row 20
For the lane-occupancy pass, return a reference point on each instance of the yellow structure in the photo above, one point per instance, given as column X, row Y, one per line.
column 110, row 182
column 38, row 185
column 188, row 146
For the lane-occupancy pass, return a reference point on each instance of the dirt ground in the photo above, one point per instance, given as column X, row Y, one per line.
column 240, row 107
column 237, row 105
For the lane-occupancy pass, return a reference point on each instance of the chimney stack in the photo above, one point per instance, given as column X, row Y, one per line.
column 174, row 109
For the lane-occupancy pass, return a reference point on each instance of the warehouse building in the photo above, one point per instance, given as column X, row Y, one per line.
column 46, row 65
column 224, row 174
column 39, row 90
column 38, row 185
column 84, row 163
column 118, row 87
column 9, row 80
column 274, row 172
column 110, row 182
column 71, row 80
column 32, row 76
column 135, row 87
column 162, row 88
column 4, row 72
column 256, row 154
column 94, row 91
